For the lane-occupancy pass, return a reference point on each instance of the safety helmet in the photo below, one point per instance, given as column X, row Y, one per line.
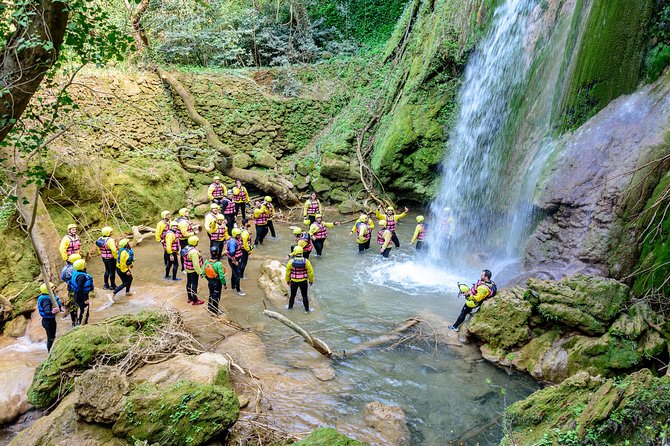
column 79, row 265
column 214, row 206
column 463, row 288
column 305, row 222
column 174, row 223
column 220, row 217
column 362, row 218
column 193, row 240
column 165, row 214
column 297, row 231
column 71, row 226
column 236, row 232
column 297, row 251
column 268, row 199
column 44, row 289
column 389, row 209
column 123, row 242
column 183, row 212
column 106, row 231
column 419, row 218
column 318, row 216
column 382, row 223
column 217, row 178
column 214, row 251
column 73, row 258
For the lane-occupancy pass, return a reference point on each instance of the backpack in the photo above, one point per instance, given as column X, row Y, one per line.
column 299, row 262
column 494, row 289
column 88, row 284
column 184, row 251
column 209, row 270
column 131, row 255
column 101, row 242
column 66, row 273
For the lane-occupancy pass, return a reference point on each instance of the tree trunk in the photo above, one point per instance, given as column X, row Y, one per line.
column 22, row 65
column 273, row 186
column 139, row 33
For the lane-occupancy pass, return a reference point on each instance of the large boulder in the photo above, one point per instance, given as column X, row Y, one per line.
column 389, row 421
column 272, row 281
column 503, row 321
column 339, row 168
column 99, row 394
column 205, row 368
column 14, row 383
column 183, row 413
column 326, row 436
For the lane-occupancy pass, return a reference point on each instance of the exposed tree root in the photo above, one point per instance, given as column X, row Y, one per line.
column 316, row 343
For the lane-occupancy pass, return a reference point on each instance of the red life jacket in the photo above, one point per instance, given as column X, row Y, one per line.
column 299, row 268
column 313, row 207
column 238, row 248
column 188, row 263
column 230, row 208
column 367, row 234
column 105, row 252
column 308, row 247
column 175, row 243
column 390, row 222
column 262, row 219
column 241, row 196
column 166, row 227
column 380, row 236
column 488, row 285
column 321, row 233
column 220, row 233
column 271, row 210
column 189, row 227
column 74, row 246
column 422, row 233
column 218, row 190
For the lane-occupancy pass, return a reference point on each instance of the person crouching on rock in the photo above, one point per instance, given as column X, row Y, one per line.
column 82, row 286
column 215, row 274
column 298, row 272
column 48, row 313
column 124, row 265
column 193, row 265
column 483, row 289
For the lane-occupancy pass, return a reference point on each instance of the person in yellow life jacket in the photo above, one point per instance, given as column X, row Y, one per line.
column 218, row 232
column 241, row 198
column 299, row 271
column 234, row 253
column 163, row 225
column 260, row 222
column 193, row 262
column 318, row 232
column 483, row 289
column 171, row 251
column 124, row 267
column 229, row 211
column 419, row 233
column 210, row 217
column 108, row 251
column 271, row 212
column 311, row 208
column 185, row 230
column 448, row 223
column 216, row 191
column 391, row 219
column 247, row 246
column 384, row 237
column 65, row 276
column 70, row 243
column 304, row 240
column 363, row 233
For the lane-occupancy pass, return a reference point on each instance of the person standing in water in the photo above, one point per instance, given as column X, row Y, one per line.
column 363, row 233
column 108, row 251
column 419, row 233
column 311, row 208
column 48, row 312
column 271, row 212
column 260, row 222
column 65, row 276
column 216, row 191
column 302, row 239
column 299, row 271
column 234, row 251
column 247, row 246
column 124, row 268
column 215, row 273
column 163, row 225
column 318, row 232
column 70, row 243
column 171, row 250
column 193, row 265
column 185, row 230
column 391, row 219
column 384, row 237
column 82, row 286
column 229, row 211
column 241, row 198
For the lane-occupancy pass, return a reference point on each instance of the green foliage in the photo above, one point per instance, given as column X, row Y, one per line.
column 658, row 53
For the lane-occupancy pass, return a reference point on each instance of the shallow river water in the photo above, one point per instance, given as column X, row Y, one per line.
column 448, row 393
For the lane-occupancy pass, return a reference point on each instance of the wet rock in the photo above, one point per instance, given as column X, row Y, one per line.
column 327, row 436
column 272, row 281
column 632, row 324
column 99, row 394
column 321, row 184
column 503, row 320
column 182, row 413
column 205, row 368
column 13, row 392
column 348, row 207
column 325, row 373
column 339, row 195
column 16, row 327
column 265, row 159
column 242, row 160
column 339, row 168
column 389, row 421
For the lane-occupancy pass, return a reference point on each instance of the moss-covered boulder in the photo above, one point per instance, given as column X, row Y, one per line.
column 593, row 411
column 78, row 349
column 18, row 269
column 503, row 321
column 185, row 413
column 326, row 436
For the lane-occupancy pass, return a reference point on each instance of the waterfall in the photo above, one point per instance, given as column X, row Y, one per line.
column 484, row 214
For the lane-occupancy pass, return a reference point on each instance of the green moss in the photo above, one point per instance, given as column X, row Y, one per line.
column 327, row 437
column 77, row 350
column 485, row 324
column 186, row 413
column 531, row 354
column 18, row 269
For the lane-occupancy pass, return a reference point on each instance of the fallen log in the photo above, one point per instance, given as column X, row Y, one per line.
column 316, row 343
column 141, row 232
column 391, row 336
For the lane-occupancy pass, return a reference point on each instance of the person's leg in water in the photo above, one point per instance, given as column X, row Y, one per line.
column 386, row 252
column 168, row 264
column 367, row 244
column 174, row 265
column 305, row 298
column 49, row 324
column 83, row 314
column 395, row 240
column 294, row 291
column 128, row 281
column 124, row 278
column 361, row 248
column 110, row 274
column 461, row 317
column 318, row 245
column 271, row 228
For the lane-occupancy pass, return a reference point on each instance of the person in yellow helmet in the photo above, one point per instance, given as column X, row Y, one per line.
column 82, row 285
column 260, row 222
column 234, row 252
column 65, row 276
column 217, row 191
column 171, row 250
column 363, row 233
column 108, row 251
column 193, row 262
column 124, row 268
column 299, row 271
column 247, row 246
column 419, row 233
column 271, row 212
column 229, row 211
column 304, row 240
column 185, row 230
column 311, row 207
column 384, row 237
column 241, row 198
column 210, row 217
column 475, row 296
column 318, row 232
column 163, row 225
column 218, row 232
column 46, row 308
column 70, row 243
column 391, row 219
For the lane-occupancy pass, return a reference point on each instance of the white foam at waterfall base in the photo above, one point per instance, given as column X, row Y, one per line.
column 24, row 345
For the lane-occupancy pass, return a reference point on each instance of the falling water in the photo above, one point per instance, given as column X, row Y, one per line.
column 473, row 171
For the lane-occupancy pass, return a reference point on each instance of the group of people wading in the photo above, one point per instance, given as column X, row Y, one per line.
column 230, row 236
